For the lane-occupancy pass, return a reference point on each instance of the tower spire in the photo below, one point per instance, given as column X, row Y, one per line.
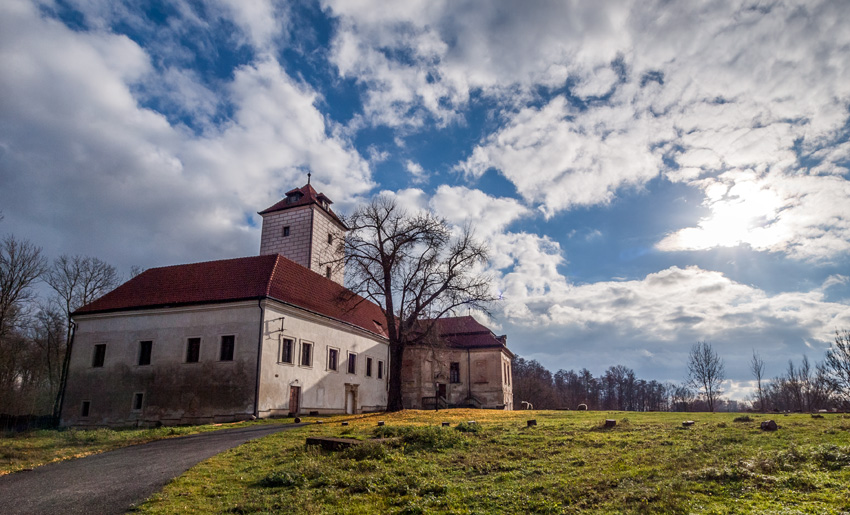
column 308, row 177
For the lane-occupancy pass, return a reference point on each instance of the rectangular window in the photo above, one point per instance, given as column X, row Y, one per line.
column 454, row 372
column 84, row 409
column 138, row 399
column 330, row 238
column 380, row 369
column 99, row 355
column 227, row 344
column 286, row 231
column 286, row 348
column 145, row 348
column 193, row 350
column 368, row 367
column 352, row 363
column 328, row 272
column 333, row 359
column 306, row 354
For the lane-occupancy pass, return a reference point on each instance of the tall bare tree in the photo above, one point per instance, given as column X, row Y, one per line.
column 21, row 265
column 757, row 368
column 416, row 269
column 706, row 372
column 838, row 364
column 77, row 281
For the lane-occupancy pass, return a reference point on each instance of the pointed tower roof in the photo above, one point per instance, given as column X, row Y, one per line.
column 304, row 196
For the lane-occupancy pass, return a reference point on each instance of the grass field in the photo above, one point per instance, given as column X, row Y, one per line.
column 568, row 463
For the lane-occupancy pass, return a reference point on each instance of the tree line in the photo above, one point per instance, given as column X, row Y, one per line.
column 802, row 387
column 35, row 329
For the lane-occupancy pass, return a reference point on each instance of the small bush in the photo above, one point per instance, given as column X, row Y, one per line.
column 464, row 427
column 281, row 478
column 365, row 451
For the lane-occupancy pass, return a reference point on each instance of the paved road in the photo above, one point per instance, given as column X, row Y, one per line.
column 113, row 481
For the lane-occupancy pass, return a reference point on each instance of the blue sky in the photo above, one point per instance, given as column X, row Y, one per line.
column 647, row 174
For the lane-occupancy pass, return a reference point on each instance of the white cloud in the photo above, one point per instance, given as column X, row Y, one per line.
column 418, row 175
column 488, row 215
column 86, row 169
column 712, row 87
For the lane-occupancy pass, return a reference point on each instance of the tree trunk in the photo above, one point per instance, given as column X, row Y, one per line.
column 394, row 399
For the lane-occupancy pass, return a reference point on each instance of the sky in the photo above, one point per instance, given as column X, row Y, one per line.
column 646, row 174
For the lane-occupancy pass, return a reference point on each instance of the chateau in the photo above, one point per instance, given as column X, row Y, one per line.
column 264, row 336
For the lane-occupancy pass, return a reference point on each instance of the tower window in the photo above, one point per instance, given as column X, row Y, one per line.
column 99, row 355
column 286, row 231
column 330, row 238
column 328, row 272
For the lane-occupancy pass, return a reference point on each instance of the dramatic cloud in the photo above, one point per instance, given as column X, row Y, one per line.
column 80, row 155
column 687, row 92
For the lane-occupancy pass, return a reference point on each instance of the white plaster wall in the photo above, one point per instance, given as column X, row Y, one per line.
column 296, row 246
column 174, row 391
column 322, row 390
column 327, row 254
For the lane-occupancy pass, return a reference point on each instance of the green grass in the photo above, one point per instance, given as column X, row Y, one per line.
column 568, row 463
column 20, row 451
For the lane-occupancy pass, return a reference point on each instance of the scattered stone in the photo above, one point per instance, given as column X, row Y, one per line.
column 769, row 425
column 582, row 407
column 687, row 423
column 472, row 422
column 531, row 423
column 610, row 422
column 446, row 424
column 297, row 420
column 319, row 422
column 345, row 423
column 380, row 422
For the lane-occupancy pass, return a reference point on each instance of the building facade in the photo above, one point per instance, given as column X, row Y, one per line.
column 260, row 336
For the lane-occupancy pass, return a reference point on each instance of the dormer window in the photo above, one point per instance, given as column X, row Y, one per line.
column 294, row 197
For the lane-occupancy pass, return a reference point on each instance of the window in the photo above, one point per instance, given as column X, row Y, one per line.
column 99, row 355
column 306, row 354
column 84, row 409
column 286, row 231
column 352, row 363
column 333, row 359
column 193, row 350
column 368, row 367
column 227, row 344
column 380, row 369
column 138, row 399
column 286, row 347
column 330, row 238
column 454, row 372
column 145, row 352
column 328, row 272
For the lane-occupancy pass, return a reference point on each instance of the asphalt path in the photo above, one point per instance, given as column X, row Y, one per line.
column 115, row 481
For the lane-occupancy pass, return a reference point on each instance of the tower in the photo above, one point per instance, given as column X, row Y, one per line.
column 303, row 228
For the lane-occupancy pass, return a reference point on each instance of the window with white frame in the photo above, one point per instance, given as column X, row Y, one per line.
column 352, row 363
column 287, row 350
column 333, row 359
column 306, row 354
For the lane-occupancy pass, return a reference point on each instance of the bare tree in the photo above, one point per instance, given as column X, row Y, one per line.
column 77, row 281
column 706, row 372
column 416, row 270
column 837, row 365
column 757, row 368
column 21, row 265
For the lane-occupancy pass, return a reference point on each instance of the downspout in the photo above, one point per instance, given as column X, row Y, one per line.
column 259, row 359
column 66, row 365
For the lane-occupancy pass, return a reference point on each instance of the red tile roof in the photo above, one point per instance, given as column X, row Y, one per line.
column 304, row 196
column 261, row 277
column 467, row 333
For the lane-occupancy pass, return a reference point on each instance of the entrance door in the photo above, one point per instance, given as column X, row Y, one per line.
column 294, row 400
column 349, row 402
column 441, row 390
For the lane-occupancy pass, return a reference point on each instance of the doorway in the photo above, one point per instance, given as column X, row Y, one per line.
column 294, row 400
column 350, row 399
